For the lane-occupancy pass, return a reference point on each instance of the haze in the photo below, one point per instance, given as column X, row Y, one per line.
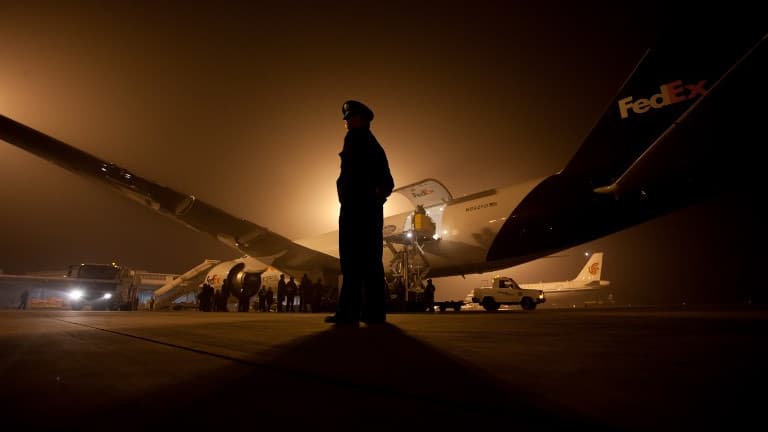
column 240, row 106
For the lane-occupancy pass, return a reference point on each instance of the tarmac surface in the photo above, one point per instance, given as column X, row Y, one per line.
column 606, row 369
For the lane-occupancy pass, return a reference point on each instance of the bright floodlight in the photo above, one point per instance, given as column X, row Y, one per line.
column 107, row 295
column 76, row 294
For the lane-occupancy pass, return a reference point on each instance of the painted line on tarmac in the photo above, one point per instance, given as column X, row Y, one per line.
column 168, row 344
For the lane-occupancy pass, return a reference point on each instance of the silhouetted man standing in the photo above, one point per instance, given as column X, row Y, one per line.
column 318, row 292
column 363, row 187
column 305, row 293
column 270, row 298
column 280, row 293
column 206, row 297
column 24, row 298
column 243, row 300
column 290, row 294
column 429, row 296
column 226, row 290
column 263, row 299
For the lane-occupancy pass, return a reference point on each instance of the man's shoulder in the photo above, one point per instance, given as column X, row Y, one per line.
column 361, row 136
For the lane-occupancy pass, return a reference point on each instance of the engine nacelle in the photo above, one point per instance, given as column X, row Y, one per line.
column 231, row 277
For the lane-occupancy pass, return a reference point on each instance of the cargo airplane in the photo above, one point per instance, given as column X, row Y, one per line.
column 693, row 106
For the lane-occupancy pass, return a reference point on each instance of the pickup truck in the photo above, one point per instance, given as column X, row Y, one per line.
column 505, row 291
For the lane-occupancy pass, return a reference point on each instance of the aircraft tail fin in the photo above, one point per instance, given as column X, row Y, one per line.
column 681, row 128
column 669, row 79
column 592, row 269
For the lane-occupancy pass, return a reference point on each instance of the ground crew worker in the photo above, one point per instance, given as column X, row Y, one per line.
column 290, row 294
column 429, row 296
column 305, row 293
column 24, row 298
column 280, row 293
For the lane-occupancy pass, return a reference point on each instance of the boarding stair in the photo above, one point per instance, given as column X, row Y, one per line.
column 183, row 284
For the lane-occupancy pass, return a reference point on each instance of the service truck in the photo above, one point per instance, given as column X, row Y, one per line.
column 504, row 290
column 100, row 286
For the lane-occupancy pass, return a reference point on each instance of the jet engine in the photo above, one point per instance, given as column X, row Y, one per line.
column 231, row 277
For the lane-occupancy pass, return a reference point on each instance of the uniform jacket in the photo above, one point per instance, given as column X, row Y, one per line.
column 365, row 178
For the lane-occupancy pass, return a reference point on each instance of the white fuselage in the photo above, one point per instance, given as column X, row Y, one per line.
column 465, row 229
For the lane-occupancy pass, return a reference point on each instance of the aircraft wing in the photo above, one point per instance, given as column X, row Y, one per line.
column 251, row 239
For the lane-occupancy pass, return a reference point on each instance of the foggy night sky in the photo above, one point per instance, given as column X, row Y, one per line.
column 240, row 106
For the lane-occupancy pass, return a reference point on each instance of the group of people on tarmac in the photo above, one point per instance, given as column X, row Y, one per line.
column 210, row 300
column 311, row 297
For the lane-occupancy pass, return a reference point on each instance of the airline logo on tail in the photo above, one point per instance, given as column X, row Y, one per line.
column 594, row 268
column 670, row 93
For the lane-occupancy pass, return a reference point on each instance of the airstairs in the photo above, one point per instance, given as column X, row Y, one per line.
column 183, row 284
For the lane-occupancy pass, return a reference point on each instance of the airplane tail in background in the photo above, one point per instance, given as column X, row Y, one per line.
column 591, row 270
column 588, row 279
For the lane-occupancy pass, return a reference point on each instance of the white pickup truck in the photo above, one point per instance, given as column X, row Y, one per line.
column 505, row 291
